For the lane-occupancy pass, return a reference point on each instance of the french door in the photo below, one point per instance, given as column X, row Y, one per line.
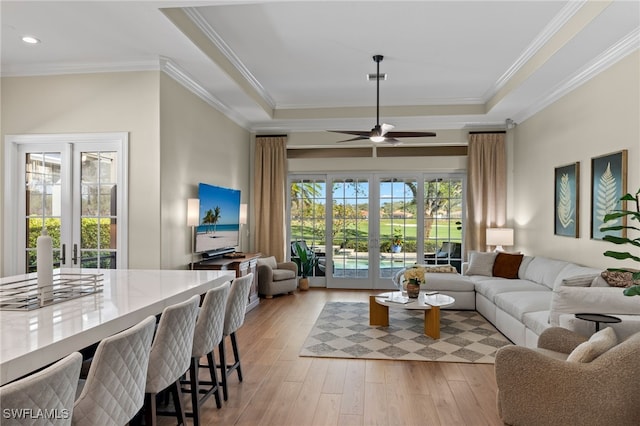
column 364, row 228
column 74, row 186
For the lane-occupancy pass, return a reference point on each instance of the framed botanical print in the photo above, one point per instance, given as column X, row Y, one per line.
column 608, row 185
column 567, row 200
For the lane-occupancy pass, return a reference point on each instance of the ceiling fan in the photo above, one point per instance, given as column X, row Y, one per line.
column 380, row 133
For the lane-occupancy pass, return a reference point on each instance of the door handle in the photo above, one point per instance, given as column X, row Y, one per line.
column 75, row 254
column 63, row 255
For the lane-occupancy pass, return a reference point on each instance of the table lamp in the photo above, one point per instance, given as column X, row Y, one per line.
column 193, row 220
column 242, row 221
column 499, row 237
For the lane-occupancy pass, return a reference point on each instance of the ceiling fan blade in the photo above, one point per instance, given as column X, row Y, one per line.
column 364, row 133
column 386, row 128
column 357, row 138
column 410, row 134
column 393, row 141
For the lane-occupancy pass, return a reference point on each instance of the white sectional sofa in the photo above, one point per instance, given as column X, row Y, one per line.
column 547, row 292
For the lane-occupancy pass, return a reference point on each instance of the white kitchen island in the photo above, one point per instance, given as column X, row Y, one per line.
column 32, row 339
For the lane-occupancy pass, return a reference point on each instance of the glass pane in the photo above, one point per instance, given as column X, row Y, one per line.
column 307, row 211
column 107, row 200
column 398, row 228
column 350, row 221
column 99, row 208
column 443, row 222
column 43, row 203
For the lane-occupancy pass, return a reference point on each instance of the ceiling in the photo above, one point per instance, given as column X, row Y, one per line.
column 282, row 66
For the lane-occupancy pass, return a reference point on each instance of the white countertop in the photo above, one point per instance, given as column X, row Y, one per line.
column 33, row 339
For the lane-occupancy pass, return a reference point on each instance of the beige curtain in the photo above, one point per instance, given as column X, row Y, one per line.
column 269, row 195
column 486, row 187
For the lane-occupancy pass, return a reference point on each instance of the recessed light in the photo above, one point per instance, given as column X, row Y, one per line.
column 30, row 39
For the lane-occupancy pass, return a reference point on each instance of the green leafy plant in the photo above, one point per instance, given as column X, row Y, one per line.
column 307, row 261
column 397, row 237
column 631, row 216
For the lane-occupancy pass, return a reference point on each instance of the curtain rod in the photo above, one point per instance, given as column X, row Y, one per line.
column 487, row 132
column 271, row 136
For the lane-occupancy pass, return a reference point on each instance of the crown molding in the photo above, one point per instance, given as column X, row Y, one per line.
column 185, row 80
column 558, row 22
column 43, row 69
column 215, row 38
column 618, row 51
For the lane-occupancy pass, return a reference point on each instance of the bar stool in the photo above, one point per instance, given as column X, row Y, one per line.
column 52, row 389
column 207, row 336
column 170, row 356
column 233, row 320
column 114, row 389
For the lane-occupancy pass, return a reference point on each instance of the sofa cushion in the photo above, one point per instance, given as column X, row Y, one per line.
column 537, row 321
column 599, row 282
column 452, row 282
column 519, row 303
column 598, row 344
column 619, row 278
column 507, row 265
column 595, row 300
column 283, row 274
column 573, row 270
column 489, row 288
column 481, row 263
column 544, row 271
column 268, row 261
column 579, row 281
column 526, row 260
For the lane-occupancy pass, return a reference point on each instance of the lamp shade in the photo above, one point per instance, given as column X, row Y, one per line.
column 243, row 214
column 193, row 212
column 499, row 236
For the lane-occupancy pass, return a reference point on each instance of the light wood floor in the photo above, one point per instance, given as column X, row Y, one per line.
column 280, row 388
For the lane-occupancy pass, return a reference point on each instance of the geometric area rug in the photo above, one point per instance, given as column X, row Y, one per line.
column 343, row 331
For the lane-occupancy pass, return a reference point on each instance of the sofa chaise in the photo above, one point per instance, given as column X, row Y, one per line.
column 524, row 295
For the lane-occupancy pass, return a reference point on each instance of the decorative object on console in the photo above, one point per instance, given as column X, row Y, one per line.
column 633, row 290
column 193, row 212
column 567, row 200
column 499, row 237
column 608, row 184
column 44, row 260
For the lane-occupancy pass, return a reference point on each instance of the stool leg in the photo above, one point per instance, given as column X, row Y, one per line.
column 214, row 378
column 223, row 369
column 195, row 399
column 236, row 355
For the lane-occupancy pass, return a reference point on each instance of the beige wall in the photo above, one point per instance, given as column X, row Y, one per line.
column 328, row 140
column 599, row 117
column 89, row 103
column 175, row 141
column 198, row 144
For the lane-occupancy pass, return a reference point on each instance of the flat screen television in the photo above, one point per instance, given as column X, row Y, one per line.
column 219, row 219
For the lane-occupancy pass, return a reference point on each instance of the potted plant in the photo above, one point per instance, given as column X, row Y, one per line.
column 631, row 215
column 396, row 243
column 307, row 261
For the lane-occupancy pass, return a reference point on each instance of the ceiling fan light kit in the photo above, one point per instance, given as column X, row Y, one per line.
column 380, row 133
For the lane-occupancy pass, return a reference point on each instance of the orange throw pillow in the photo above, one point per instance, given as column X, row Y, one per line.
column 507, row 265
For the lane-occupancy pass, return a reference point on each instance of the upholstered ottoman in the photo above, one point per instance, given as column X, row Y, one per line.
column 455, row 285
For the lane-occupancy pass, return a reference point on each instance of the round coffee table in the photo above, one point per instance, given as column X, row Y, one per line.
column 598, row 318
column 379, row 309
